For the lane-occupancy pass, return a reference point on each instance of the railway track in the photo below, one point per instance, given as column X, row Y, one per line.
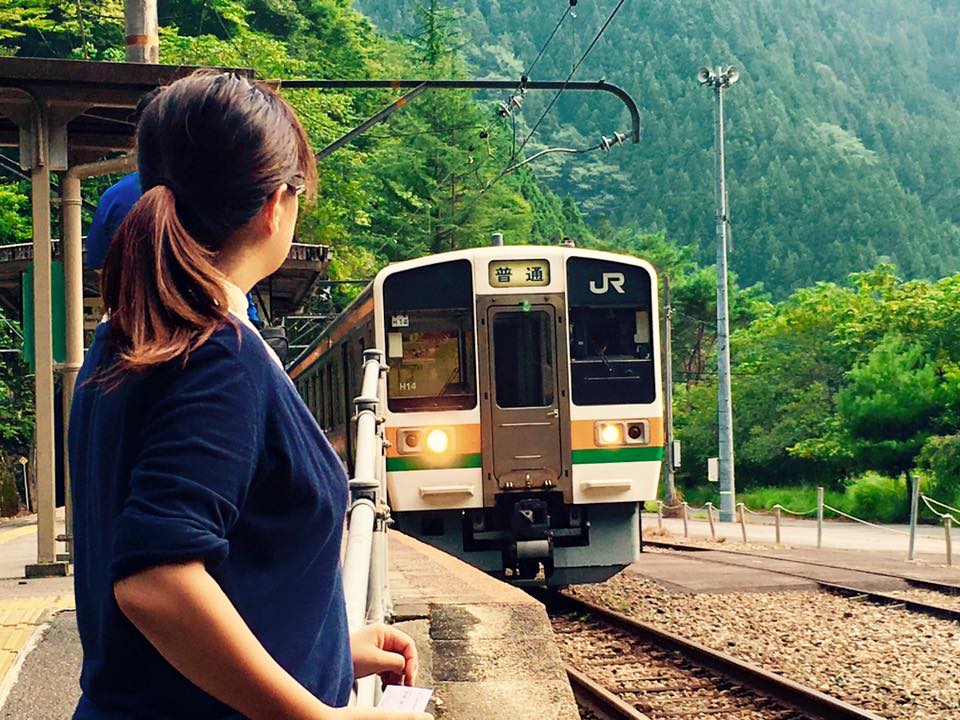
column 941, row 611
column 622, row 669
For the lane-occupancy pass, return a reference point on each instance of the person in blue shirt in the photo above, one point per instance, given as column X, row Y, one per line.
column 116, row 201
column 208, row 505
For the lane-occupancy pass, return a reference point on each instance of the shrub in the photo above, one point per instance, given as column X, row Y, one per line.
column 877, row 497
column 9, row 497
column 939, row 462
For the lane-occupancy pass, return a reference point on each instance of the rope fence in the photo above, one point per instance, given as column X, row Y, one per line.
column 948, row 518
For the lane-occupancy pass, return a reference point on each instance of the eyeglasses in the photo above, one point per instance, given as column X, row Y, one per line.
column 297, row 185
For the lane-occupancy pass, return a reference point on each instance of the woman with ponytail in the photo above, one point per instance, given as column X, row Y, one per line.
column 208, row 505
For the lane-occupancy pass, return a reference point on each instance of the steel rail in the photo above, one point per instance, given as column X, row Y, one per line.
column 598, row 700
column 938, row 611
column 801, row 698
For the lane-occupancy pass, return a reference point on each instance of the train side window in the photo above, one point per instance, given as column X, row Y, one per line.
column 611, row 333
column 310, row 394
column 321, row 398
column 332, row 399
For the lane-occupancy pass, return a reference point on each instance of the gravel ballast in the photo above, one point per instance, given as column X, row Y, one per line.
column 896, row 663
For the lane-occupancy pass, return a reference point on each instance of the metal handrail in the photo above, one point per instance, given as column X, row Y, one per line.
column 365, row 586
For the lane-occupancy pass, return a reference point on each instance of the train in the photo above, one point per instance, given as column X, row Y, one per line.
column 523, row 403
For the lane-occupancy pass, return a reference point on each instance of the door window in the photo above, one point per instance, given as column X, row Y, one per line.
column 523, row 359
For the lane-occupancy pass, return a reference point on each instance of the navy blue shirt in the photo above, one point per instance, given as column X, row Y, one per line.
column 218, row 460
column 116, row 201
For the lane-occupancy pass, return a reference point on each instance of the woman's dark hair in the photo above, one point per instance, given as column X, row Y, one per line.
column 211, row 149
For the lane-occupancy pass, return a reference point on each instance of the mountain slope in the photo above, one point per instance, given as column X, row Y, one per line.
column 843, row 135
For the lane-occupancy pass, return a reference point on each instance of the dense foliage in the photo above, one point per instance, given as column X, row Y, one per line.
column 411, row 186
column 843, row 154
column 839, row 380
column 843, row 134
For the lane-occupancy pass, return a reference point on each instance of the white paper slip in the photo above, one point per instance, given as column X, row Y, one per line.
column 403, row 697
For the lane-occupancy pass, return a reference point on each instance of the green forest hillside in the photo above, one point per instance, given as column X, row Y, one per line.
column 843, row 143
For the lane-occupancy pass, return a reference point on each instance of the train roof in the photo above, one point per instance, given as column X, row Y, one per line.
column 509, row 252
column 358, row 306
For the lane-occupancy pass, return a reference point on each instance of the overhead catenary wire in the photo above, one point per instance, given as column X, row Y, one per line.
column 559, row 92
column 570, row 5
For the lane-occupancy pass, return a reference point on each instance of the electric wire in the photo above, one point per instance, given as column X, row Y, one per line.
column 559, row 92
column 570, row 6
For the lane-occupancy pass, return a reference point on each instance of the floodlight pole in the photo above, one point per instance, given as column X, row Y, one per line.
column 719, row 81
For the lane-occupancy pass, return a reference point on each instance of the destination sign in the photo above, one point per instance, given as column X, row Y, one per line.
column 519, row 273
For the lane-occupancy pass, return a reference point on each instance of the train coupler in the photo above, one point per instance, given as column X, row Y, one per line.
column 530, row 554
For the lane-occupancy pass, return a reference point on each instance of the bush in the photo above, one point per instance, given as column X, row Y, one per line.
column 877, row 497
column 9, row 497
column 939, row 463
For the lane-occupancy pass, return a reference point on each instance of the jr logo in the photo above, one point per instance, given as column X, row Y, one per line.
column 609, row 280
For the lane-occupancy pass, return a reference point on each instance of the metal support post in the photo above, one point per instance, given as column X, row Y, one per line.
column 73, row 297
column 819, row 518
column 776, row 514
column 741, row 511
column 669, row 483
column 914, row 510
column 70, row 204
column 947, row 526
column 713, row 531
column 43, row 401
column 724, row 400
column 659, row 515
column 683, row 508
column 719, row 81
column 141, row 36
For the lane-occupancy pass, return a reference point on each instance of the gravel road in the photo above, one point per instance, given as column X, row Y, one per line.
column 896, row 663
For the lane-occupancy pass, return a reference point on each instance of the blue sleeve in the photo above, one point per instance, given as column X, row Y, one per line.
column 199, row 453
column 252, row 310
column 99, row 235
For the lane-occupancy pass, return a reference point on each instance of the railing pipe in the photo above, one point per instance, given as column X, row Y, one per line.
column 365, row 587
column 356, row 561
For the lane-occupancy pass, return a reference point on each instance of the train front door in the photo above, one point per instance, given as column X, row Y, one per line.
column 524, row 399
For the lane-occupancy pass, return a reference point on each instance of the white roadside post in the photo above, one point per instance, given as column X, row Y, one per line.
column 914, row 509
column 819, row 517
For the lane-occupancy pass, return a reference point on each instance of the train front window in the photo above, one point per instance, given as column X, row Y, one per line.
column 429, row 360
column 611, row 333
column 428, row 313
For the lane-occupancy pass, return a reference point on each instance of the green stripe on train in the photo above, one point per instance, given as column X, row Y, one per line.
column 609, row 455
column 401, row 464
column 580, row 457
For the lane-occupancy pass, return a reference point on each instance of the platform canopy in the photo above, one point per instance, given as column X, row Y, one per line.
column 64, row 116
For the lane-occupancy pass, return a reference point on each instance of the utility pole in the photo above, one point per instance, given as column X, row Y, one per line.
column 670, row 461
column 141, row 37
column 720, row 80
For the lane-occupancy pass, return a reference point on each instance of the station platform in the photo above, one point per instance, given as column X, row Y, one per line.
column 486, row 648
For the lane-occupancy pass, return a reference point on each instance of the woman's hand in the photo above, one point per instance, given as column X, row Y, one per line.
column 377, row 714
column 387, row 651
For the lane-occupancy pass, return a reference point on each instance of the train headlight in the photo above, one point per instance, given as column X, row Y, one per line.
column 621, row 432
column 420, row 441
column 438, row 441
column 609, row 433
